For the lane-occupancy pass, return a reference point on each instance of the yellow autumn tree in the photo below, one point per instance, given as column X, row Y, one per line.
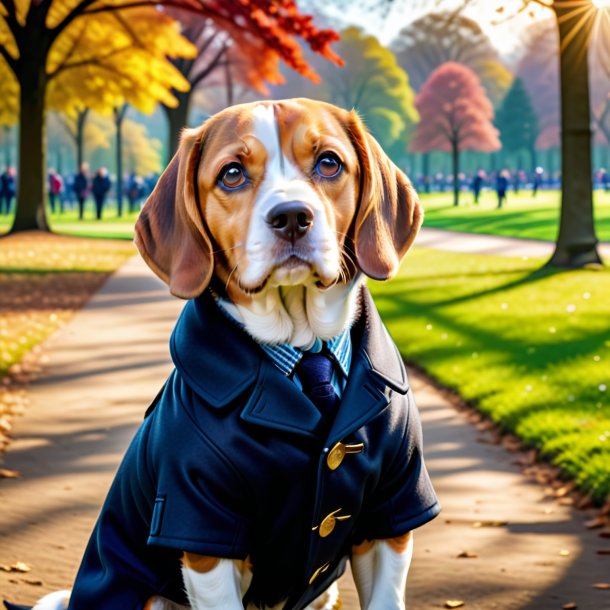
column 100, row 61
column 142, row 153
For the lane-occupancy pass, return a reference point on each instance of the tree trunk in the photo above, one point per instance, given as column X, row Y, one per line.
column 81, row 119
column 31, row 194
column 119, row 115
column 7, row 146
column 533, row 158
column 425, row 162
column 455, row 154
column 576, row 242
column 177, row 119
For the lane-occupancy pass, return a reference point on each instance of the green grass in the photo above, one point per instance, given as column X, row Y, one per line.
column 529, row 347
column 521, row 216
column 110, row 227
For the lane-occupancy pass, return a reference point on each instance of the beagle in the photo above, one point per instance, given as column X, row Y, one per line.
column 267, row 220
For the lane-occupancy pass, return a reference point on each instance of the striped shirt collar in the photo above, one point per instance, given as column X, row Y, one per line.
column 286, row 357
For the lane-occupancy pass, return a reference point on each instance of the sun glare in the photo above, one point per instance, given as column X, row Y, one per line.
column 602, row 3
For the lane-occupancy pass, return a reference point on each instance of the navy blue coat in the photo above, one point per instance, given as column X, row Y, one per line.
column 229, row 463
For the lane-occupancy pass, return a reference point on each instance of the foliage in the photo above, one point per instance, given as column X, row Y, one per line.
column 142, row 154
column 517, row 120
column 528, row 347
column 496, row 79
column 522, row 216
column 437, row 38
column 454, row 111
column 97, row 129
column 538, row 69
column 371, row 82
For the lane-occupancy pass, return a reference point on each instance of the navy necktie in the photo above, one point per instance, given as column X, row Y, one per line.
column 315, row 371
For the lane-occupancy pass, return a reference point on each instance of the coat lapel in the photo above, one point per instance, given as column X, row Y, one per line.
column 221, row 362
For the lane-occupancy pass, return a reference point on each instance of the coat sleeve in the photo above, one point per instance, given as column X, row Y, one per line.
column 404, row 498
column 201, row 499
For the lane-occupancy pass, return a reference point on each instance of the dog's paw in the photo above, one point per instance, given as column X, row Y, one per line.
column 54, row 601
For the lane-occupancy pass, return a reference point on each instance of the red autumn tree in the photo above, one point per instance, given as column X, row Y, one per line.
column 455, row 115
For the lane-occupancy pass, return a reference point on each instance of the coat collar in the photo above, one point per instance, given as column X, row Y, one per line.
column 220, row 361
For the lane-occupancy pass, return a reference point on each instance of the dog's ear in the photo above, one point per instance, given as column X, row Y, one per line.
column 170, row 232
column 388, row 214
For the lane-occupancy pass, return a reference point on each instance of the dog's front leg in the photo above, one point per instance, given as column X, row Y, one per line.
column 380, row 572
column 212, row 583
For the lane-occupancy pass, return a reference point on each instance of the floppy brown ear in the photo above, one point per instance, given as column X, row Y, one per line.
column 388, row 215
column 170, row 233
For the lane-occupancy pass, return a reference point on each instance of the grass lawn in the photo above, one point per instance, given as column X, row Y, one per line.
column 529, row 347
column 111, row 226
column 521, row 216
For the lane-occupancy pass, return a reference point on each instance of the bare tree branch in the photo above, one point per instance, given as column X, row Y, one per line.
column 214, row 63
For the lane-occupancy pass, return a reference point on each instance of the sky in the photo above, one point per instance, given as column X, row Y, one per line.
column 504, row 33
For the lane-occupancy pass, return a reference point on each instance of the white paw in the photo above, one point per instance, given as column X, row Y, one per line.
column 54, row 601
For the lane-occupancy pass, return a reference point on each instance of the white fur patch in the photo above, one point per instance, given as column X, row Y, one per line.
column 284, row 182
column 54, row 601
column 218, row 589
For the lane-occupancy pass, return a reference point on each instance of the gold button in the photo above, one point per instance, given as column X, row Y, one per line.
column 327, row 525
column 319, row 571
column 339, row 451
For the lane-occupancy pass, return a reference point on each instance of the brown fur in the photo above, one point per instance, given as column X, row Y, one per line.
column 190, row 229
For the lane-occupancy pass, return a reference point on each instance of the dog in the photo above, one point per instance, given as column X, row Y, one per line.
column 238, row 491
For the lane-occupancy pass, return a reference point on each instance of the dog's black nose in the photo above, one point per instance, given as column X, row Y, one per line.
column 290, row 220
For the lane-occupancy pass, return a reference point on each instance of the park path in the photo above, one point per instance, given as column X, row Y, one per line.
column 456, row 241
column 106, row 365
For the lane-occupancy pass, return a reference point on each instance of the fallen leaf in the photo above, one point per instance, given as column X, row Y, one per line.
column 33, row 582
column 9, row 474
column 566, row 501
column 489, row 523
column 454, row 603
column 596, row 522
column 18, row 566
column 569, row 606
column 467, row 555
column 585, row 502
column 603, row 551
column 564, row 490
column 605, row 533
column 564, row 552
column 601, row 585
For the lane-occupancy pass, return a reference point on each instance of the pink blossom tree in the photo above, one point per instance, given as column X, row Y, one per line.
column 455, row 115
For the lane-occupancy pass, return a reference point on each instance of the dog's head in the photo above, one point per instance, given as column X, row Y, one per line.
column 277, row 194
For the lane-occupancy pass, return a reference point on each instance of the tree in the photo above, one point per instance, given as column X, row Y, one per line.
column 455, row 115
column 517, row 122
column 437, row 38
column 31, row 31
column 142, row 153
column 371, row 82
column 84, row 128
column 575, row 20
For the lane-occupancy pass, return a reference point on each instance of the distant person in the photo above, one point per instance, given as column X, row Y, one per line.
column 100, row 186
column 502, row 183
column 7, row 190
column 477, row 185
column 135, row 190
column 81, row 188
column 537, row 180
column 56, row 187
column 604, row 179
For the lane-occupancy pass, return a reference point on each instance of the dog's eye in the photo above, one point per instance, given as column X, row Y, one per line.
column 232, row 176
column 328, row 165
